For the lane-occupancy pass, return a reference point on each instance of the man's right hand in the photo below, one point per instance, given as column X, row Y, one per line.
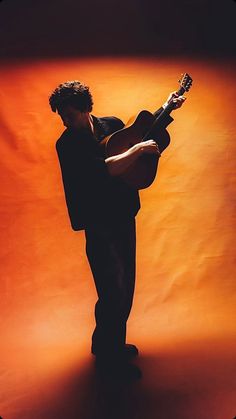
column 147, row 147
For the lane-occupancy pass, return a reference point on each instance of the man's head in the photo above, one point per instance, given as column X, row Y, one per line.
column 73, row 101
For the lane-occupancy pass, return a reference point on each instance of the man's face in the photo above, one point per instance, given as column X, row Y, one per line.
column 73, row 118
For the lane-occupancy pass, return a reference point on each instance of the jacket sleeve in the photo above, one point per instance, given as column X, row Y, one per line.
column 83, row 175
column 166, row 120
column 73, row 189
column 159, row 132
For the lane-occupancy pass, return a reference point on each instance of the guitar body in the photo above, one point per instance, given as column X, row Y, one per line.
column 145, row 126
column 142, row 172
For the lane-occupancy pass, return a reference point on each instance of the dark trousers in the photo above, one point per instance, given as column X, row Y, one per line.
column 111, row 254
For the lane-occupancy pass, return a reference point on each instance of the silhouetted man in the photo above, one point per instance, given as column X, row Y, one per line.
column 103, row 205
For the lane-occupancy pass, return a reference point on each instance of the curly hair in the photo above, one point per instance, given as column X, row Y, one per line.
column 72, row 93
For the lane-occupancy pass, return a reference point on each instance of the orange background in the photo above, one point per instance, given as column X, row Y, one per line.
column 183, row 318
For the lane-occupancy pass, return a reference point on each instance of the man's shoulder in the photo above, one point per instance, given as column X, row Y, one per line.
column 113, row 122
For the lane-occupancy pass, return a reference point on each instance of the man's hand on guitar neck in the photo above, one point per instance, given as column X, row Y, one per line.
column 177, row 100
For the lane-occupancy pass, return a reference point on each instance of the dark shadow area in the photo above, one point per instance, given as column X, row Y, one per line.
column 67, row 28
column 191, row 383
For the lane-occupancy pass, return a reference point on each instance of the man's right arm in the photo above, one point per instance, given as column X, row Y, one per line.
column 117, row 165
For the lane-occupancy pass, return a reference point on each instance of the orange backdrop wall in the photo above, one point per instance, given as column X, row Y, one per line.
column 185, row 294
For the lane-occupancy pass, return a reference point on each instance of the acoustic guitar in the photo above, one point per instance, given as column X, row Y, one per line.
column 143, row 127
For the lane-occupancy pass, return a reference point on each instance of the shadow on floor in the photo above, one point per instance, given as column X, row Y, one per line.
column 174, row 386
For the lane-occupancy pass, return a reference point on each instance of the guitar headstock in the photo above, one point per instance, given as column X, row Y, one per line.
column 185, row 83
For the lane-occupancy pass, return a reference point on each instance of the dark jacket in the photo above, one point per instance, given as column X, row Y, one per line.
column 92, row 195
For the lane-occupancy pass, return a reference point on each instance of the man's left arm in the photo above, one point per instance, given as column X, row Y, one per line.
column 177, row 100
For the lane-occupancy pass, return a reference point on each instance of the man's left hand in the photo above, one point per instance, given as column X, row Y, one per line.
column 177, row 100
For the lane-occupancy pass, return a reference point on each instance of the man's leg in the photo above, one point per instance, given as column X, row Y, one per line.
column 111, row 254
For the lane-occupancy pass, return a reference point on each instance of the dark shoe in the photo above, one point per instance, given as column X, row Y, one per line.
column 129, row 351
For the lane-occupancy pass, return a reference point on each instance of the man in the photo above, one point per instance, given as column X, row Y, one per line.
column 103, row 205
